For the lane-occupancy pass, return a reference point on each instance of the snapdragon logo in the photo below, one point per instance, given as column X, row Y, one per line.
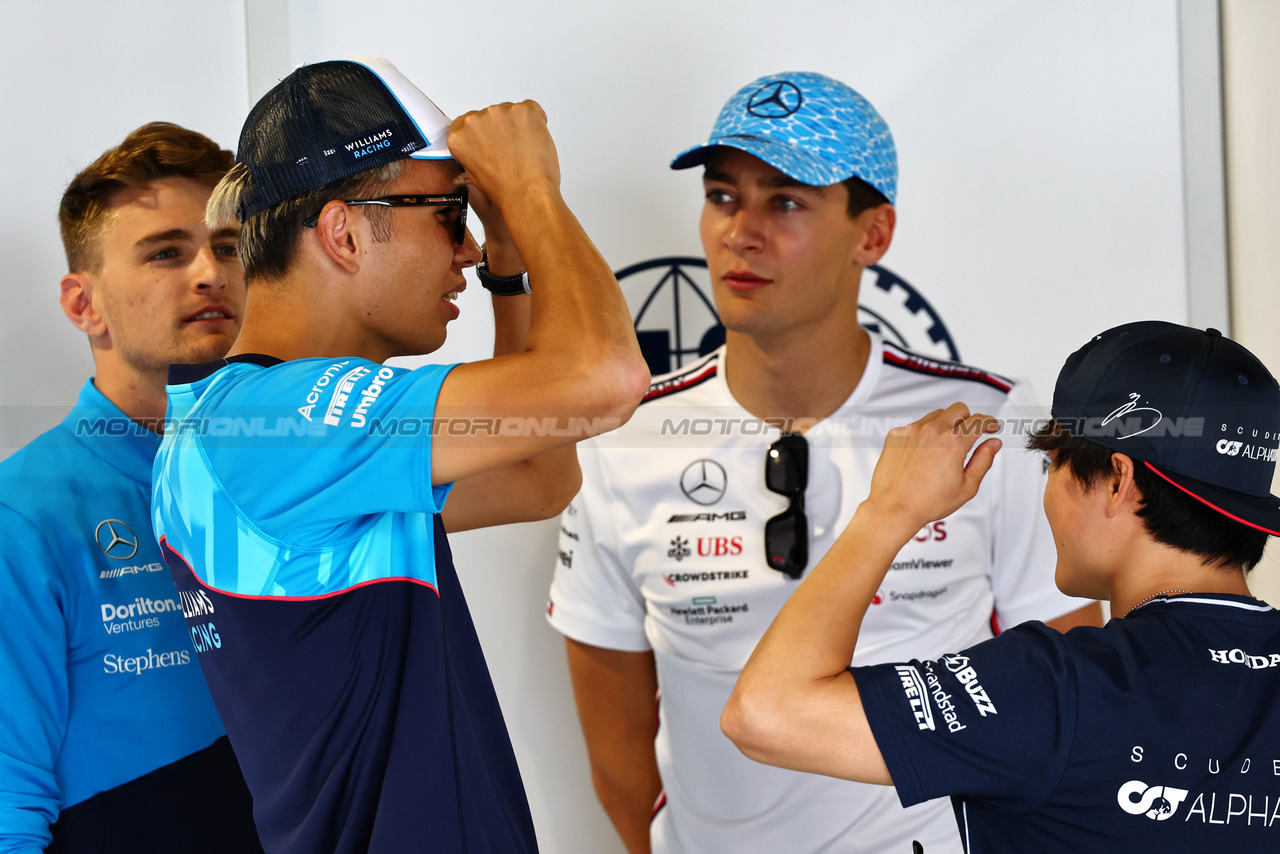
column 1155, row 802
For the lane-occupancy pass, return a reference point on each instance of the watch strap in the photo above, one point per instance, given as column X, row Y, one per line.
column 503, row 286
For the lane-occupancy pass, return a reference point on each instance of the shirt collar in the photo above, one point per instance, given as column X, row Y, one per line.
column 104, row 429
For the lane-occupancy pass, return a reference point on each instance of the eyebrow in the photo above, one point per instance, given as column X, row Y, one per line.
column 164, row 236
column 225, row 232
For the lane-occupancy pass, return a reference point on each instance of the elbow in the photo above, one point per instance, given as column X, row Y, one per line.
column 752, row 723
column 616, row 386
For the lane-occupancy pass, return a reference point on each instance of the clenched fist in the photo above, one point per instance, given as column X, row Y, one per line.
column 506, row 149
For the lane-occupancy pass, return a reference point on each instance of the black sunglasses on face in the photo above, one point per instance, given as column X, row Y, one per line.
column 459, row 199
column 786, row 536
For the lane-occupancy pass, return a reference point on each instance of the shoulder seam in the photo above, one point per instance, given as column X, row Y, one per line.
column 684, row 379
column 919, row 364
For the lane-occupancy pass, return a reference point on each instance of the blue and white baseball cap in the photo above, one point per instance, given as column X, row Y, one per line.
column 809, row 127
column 332, row 120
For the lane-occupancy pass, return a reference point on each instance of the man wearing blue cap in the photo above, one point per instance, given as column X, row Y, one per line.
column 1159, row 732
column 674, row 558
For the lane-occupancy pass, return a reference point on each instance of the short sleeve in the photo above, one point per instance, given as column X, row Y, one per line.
column 1023, row 553
column 363, row 448
column 33, row 673
column 593, row 596
column 994, row 723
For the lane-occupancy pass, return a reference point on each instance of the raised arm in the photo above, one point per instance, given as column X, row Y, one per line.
column 796, row 704
column 542, row 485
column 581, row 371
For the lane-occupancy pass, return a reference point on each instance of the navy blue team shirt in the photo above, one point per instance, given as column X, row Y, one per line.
column 294, row 507
column 1157, row 732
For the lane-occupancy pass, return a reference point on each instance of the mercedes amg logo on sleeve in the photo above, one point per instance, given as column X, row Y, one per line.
column 704, row 481
column 116, row 539
column 775, row 100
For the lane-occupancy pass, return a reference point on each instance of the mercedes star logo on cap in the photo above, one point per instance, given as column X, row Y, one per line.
column 775, row 100
column 116, row 539
column 703, row 481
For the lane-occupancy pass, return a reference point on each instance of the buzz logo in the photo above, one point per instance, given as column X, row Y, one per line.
column 1155, row 802
column 968, row 677
column 1231, row 449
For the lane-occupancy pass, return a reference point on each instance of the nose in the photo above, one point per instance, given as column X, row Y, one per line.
column 467, row 254
column 206, row 272
column 742, row 233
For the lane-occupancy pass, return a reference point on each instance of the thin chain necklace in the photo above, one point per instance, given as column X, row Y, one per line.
column 1154, row 596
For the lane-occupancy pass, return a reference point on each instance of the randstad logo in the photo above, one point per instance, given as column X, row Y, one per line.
column 1155, row 802
column 1231, row 449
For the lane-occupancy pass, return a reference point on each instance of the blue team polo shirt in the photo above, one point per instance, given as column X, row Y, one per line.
column 99, row 684
column 295, row 509
column 1158, row 732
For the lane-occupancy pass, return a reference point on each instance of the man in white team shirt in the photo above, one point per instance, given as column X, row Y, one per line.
column 697, row 518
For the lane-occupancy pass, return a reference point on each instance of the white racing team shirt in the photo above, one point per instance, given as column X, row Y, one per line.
column 663, row 550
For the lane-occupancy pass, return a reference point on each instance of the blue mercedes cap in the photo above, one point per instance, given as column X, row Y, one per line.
column 1194, row 407
column 809, row 127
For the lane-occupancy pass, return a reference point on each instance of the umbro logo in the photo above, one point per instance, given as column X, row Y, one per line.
column 775, row 100
column 116, row 539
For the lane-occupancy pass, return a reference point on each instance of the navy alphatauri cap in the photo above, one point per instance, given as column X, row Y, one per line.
column 332, row 120
column 1194, row 407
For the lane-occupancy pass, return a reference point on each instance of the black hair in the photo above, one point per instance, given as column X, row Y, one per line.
column 1168, row 514
column 862, row 196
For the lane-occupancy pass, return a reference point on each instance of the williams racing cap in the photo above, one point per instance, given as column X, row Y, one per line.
column 809, row 127
column 331, row 120
column 1192, row 406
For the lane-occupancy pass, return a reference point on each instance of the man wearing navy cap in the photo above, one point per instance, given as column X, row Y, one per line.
column 680, row 548
column 300, row 497
column 1159, row 732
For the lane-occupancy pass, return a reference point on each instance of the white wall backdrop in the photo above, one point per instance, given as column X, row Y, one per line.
column 78, row 77
column 1041, row 197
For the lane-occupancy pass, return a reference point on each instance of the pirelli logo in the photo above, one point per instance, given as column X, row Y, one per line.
column 913, row 687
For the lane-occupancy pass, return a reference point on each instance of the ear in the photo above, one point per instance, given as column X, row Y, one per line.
column 77, row 304
column 1123, row 495
column 877, row 226
column 341, row 235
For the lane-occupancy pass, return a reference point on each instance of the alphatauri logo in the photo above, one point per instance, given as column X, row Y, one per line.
column 1155, row 802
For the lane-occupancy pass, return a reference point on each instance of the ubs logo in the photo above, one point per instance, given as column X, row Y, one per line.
column 704, row 481
column 775, row 100
column 1155, row 802
column 676, row 319
column 116, row 539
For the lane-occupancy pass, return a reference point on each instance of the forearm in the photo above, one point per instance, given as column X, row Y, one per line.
column 578, row 309
column 616, row 695
column 812, row 639
column 628, row 793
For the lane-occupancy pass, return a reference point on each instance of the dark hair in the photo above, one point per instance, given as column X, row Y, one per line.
column 1169, row 515
column 154, row 151
column 862, row 196
column 269, row 238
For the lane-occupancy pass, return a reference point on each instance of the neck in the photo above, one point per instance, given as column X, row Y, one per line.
column 139, row 394
column 804, row 376
column 291, row 319
column 1158, row 568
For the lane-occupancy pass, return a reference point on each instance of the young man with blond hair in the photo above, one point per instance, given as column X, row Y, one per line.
column 313, row 554
column 109, row 741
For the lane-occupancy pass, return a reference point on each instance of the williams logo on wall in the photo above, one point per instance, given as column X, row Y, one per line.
column 676, row 320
